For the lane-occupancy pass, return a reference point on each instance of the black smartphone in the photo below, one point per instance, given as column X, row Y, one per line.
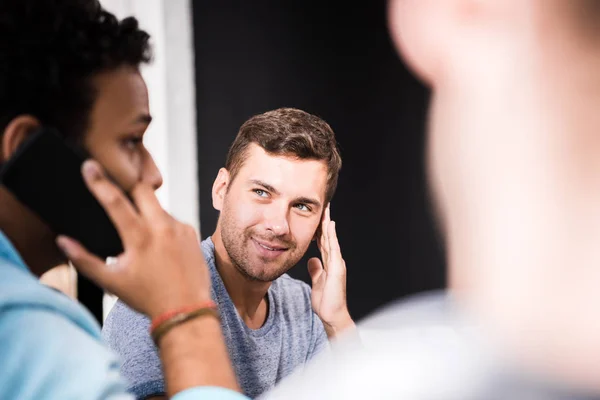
column 45, row 175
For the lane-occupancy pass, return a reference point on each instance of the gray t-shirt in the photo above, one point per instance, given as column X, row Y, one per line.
column 291, row 335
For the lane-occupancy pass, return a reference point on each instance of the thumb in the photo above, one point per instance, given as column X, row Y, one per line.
column 85, row 262
column 315, row 269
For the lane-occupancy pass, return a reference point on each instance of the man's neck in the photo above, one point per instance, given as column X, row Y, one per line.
column 249, row 297
column 32, row 239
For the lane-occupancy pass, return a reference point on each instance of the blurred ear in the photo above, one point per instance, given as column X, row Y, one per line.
column 428, row 33
column 219, row 189
column 417, row 28
column 15, row 133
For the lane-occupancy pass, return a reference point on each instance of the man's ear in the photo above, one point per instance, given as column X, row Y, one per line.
column 15, row 133
column 219, row 188
column 318, row 231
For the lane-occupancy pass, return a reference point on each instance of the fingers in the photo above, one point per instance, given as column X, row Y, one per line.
column 85, row 262
column 113, row 200
column 326, row 221
column 334, row 244
column 323, row 238
column 335, row 253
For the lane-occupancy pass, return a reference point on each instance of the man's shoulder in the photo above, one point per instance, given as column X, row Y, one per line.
column 20, row 291
column 126, row 332
column 49, row 332
column 19, row 288
column 53, row 356
column 124, row 321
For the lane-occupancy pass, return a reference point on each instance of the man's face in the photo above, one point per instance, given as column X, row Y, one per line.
column 118, row 121
column 270, row 212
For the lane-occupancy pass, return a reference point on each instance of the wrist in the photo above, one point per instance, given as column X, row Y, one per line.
column 175, row 312
column 339, row 325
column 203, row 327
column 167, row 321
column 177, row 304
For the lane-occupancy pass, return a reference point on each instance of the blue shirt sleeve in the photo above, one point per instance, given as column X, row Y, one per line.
column 209, row 393
column 43, row 355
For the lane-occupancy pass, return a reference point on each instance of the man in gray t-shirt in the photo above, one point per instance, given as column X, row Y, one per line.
column 291, row 335
column 273, row 196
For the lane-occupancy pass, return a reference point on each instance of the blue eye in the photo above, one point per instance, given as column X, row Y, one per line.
column 260, row 192
column 302, row 207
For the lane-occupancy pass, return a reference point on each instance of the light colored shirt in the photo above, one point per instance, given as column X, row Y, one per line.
column 50, row 346
column 426, row 347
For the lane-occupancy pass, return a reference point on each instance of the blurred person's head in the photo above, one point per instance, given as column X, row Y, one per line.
column 280, row 173
column 70, row 65
column 514, row 164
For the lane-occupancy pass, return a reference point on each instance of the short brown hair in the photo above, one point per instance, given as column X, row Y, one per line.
column 288, row 132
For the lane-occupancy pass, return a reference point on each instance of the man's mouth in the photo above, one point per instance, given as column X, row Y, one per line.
column 269, row 246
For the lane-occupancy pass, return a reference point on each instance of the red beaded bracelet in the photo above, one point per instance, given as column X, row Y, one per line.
column 183, row 310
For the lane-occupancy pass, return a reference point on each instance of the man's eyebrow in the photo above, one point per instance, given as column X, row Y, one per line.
column 308, row 200
column 265, row 185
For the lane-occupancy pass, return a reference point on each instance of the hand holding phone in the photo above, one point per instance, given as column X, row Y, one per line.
column 162, row 267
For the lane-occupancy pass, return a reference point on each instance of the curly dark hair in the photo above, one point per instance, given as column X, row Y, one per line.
column 50, row 50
